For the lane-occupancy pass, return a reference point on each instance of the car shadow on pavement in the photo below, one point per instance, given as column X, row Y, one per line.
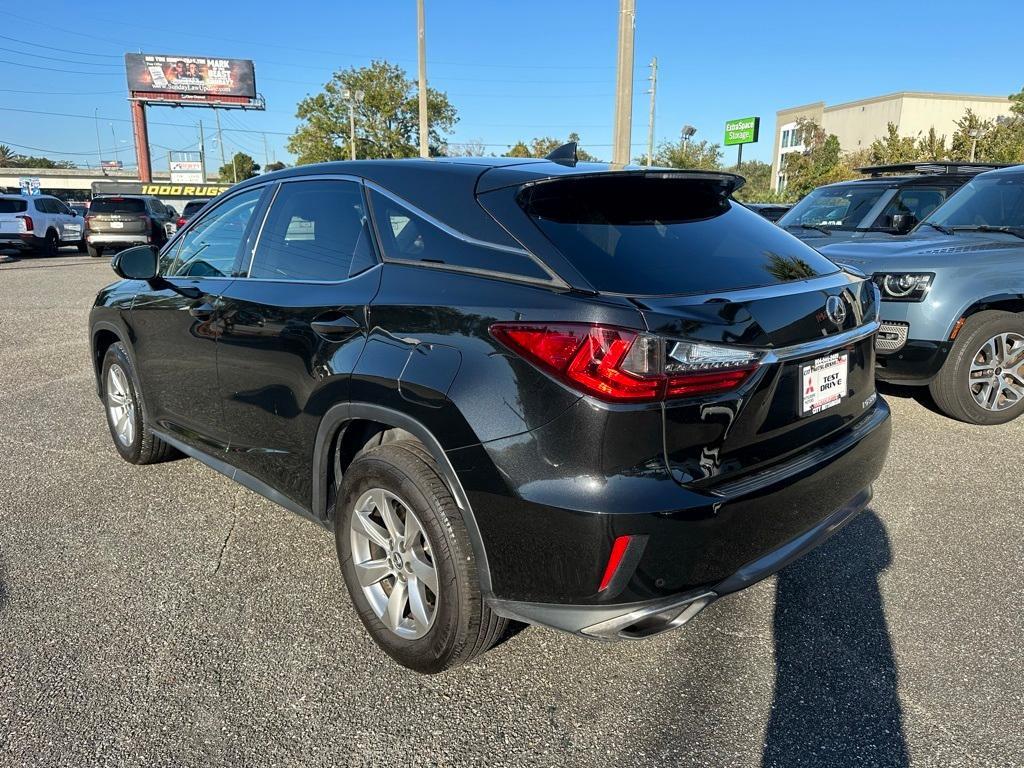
column 836, row 700
column 919, row 394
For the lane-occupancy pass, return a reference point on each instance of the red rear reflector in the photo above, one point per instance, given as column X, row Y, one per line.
column 620, row 365
column 614, row 561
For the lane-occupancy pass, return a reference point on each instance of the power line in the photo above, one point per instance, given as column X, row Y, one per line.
column 126, row 120
column 64, row 71
column 58, row 58
column 62, row 50
column 63, row 93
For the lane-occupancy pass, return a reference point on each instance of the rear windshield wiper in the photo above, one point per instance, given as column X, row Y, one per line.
column 812, row 226
column 942, row 229
column 1015, row 231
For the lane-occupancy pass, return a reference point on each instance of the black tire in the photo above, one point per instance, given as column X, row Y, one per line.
column 50, row 245
column 94, row 251
column 144, row 447
column 463, row 625
column 82, row 246
column 951, row 389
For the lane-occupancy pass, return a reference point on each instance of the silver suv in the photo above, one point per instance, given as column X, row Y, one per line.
column 953, row 300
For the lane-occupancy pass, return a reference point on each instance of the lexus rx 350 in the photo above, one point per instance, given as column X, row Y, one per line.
column 516, row 390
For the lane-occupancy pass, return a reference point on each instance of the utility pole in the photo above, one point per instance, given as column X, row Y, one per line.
column 99, row 150
column 266, row 154
column 624, row 84
column 220, row 138
column 202, row 150
column 422, row 40
column 650, row 118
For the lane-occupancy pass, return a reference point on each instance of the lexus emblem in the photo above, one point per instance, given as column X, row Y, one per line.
column 835, row 310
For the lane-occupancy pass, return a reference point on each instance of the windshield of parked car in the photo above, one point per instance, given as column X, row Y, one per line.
column 12, row 205
column 640, row 235
column 995, row 200
column 834, row 207
column 117, row 205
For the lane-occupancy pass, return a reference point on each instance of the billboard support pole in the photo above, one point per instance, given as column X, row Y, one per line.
column 220, row 138
column 141, row 141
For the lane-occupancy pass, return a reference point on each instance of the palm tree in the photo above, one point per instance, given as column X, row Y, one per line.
column 7, row 155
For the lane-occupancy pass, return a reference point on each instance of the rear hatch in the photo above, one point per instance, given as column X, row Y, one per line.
column 14, row 216
column 765, row 345
column 118, row 216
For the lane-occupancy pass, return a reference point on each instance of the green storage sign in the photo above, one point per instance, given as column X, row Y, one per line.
column 742, row 131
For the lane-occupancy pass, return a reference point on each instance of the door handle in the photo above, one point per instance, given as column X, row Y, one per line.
column 336, row 328
column 202, row 311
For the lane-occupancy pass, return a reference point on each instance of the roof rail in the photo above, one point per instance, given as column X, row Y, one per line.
column 931, row 167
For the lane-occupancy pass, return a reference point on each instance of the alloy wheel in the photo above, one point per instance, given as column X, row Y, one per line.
column 996, row 378
column 121, row 405
column 394, row 563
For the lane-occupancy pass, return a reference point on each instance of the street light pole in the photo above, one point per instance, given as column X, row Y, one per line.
column 422, row 41
column 99, row 150
column 650, row 118
column 624, row 84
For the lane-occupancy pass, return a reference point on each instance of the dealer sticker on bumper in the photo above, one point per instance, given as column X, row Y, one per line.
column 823, row 383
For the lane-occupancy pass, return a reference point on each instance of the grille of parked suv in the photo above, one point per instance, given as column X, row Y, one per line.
column 891, row 336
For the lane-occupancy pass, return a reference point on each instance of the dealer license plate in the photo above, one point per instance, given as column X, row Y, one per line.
column 823, row 383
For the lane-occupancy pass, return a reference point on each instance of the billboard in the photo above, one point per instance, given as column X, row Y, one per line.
column 187, row 172
column 162, row 77
column 742, row 131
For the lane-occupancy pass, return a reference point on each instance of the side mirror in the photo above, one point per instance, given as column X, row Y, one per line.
column 138, row 263
column 903, row 222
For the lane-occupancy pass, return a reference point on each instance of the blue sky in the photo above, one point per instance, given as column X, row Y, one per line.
column 514, row 69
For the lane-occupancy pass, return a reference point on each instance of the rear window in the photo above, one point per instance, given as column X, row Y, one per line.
column 118, row 205
column 12, row 205
column 191, row 208
column 647, row 236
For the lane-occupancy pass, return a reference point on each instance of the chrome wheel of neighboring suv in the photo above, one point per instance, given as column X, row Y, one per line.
column 391, row 556
column 408, row 562
column 982, row 380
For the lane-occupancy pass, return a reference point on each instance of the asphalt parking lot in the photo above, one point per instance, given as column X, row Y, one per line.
column 164, row 616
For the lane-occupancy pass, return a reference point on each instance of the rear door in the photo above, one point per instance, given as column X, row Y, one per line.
column 177, row 319
column 295, row 324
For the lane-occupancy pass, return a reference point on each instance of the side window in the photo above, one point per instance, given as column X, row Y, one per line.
column 43, row 205
column 407, row 236
column 316, row 230
column 209, row 248
column 918, row 201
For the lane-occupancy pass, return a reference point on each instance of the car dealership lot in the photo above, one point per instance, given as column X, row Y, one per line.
column 163, row 615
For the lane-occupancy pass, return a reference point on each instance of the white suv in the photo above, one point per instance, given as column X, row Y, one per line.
column 39, row 222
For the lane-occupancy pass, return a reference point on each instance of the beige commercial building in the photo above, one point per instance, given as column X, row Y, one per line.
column 858, row 123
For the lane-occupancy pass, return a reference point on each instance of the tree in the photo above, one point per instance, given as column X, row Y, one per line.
column 387, row 119
column 544, row 145
column 470, row 148
column 240, row 168
column 277, row 165
column 821, row 162
column 932, row 146
column 894, row 148
column 687, row 154
column 7, row 155
column 758, row 187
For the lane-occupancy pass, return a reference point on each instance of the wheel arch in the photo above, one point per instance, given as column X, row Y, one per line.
column 332, row 428
column 1005, row 302
column 103, row 336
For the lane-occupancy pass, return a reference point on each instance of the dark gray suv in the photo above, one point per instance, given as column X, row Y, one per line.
column 116, row 222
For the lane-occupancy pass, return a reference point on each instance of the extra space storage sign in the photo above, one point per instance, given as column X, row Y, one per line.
column 742, row 131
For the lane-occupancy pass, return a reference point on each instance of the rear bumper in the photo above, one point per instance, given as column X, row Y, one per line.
column 633, row 621
column 916, row 362
column 105, row 240
column 16, row 240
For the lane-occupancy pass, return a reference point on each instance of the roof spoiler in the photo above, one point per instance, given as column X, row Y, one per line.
column 565, row 154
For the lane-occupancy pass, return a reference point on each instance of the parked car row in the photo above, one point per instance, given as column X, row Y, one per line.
column 43, row 223
column 946, row 248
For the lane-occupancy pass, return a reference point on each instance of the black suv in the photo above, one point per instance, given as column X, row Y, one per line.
column 591, row 399
column 118, row 221
column 881, row 206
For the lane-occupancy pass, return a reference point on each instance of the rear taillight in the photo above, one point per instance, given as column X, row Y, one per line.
column 26, row 224
column 88, row 218
column 620, row 365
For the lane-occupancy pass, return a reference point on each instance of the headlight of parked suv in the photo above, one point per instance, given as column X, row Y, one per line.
column 904, row 286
